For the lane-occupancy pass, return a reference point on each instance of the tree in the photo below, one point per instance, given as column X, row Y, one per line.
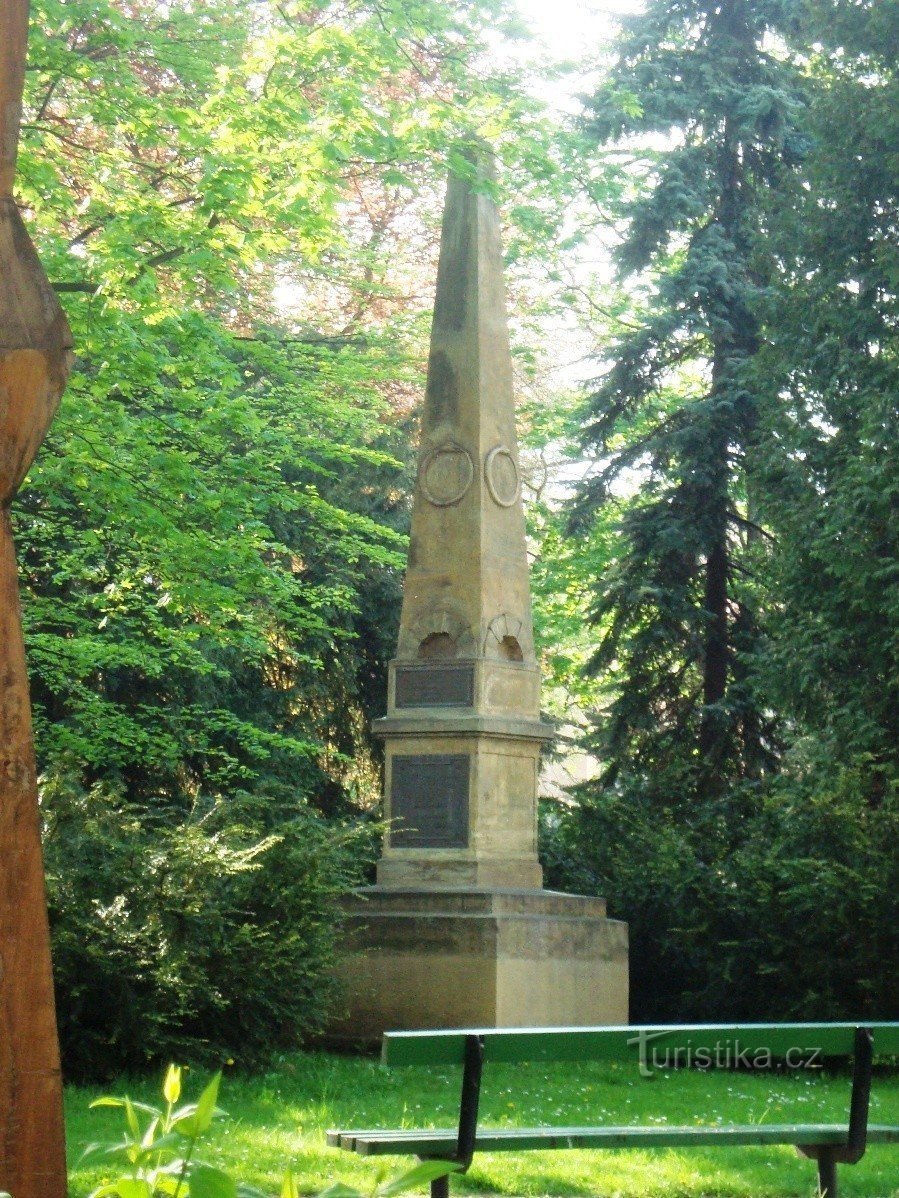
column 709, row 106
column 711, row 110
column 831, row 370
column 218, row 520
column 760, row 382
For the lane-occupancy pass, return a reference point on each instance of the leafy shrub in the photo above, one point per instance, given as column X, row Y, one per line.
column 781, row 903
column 202, row 934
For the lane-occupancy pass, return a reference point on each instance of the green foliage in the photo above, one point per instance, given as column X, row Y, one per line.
column 745, row 820
column 211, row 541
column 158, row 1152
column 832, row 371
column 207, row 935
column 674, row 414
column 787, row 910
column 560, row 565
column 415, row 1178
column 191, row 570
column 158, row 1146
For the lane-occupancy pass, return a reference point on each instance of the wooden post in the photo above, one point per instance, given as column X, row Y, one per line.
column 35, row 358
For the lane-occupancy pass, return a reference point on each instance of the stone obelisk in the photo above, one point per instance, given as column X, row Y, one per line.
column 463, row 729
column 458, row 930
column 35, row 355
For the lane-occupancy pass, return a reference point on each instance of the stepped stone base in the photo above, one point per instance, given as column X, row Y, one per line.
column 479, row 958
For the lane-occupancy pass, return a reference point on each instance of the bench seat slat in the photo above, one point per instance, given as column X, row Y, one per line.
column 347, row 1139
column 721, row 1041
column 427, row 1142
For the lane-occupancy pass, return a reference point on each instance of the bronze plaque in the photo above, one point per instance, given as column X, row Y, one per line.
column 435, row 686
column 429, row 801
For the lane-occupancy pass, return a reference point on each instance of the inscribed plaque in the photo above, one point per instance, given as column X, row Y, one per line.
column 429, row 801
column 435, row 686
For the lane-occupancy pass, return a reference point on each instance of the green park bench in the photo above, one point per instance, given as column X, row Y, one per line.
column 702, row 1045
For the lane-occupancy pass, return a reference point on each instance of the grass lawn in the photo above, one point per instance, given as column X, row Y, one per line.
column 280, row 1119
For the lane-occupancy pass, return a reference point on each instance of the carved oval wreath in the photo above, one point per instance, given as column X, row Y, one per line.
column 501, row 474
column 446, row 473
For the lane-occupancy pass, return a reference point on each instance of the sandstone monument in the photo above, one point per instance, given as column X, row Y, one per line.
column 458, row 930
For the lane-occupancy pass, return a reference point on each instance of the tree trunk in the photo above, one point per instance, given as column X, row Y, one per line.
column 32, row 1141
column 35, row 345
column 716, row 648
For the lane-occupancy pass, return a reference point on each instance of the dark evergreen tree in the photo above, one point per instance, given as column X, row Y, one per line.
column 755, row 567
column 705, row 96
column 712, row 110
column 830, row 489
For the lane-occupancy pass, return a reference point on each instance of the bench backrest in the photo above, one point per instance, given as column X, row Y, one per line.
column 726, row 1045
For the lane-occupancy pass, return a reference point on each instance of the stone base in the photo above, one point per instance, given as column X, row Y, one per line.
column 455, row 870
column 479, row 958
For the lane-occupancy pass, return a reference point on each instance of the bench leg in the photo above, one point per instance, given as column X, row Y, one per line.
column 827, row 1173
column 440, row 1187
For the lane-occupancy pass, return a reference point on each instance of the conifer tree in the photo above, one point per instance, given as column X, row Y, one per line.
column 707, row 103
column 832, row 437
column 751, row 411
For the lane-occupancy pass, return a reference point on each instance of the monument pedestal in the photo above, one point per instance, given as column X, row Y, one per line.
column 427, row 958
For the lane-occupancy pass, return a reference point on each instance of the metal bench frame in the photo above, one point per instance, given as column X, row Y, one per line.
column 859, row 1104
column 827, row 1155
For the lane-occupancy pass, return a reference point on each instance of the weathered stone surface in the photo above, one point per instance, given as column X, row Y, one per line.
column 465, row 673
column 468, row 545
column 483, row 958
column 502, row 829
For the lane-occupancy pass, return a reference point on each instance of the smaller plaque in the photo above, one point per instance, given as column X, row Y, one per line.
column 435, row 686
column 429, row 801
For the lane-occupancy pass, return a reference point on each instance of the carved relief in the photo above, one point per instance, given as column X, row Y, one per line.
column 446, row 473
column 501, row 475
column 436, row 629
column 503, row 639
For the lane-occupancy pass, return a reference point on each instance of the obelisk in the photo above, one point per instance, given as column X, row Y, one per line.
column 35, row 356
column 458, row 930
column 463, row 729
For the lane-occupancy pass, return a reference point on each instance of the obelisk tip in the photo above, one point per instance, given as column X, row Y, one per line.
column 479, row 153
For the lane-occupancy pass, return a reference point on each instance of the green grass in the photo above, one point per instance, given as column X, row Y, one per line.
column 280, row 1119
